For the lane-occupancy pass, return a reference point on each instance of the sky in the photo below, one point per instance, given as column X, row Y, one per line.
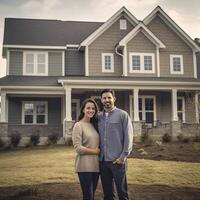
column 186, row 13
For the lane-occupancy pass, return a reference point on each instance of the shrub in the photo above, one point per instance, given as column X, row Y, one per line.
column 145, row 138
column 53, row 137
column 196, row 138
column 35, row 139
column 166, row 138
column 15, row 138
column 1, row 143
column 183, row 139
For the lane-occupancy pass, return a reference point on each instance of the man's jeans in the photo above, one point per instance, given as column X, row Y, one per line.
column 110, row 174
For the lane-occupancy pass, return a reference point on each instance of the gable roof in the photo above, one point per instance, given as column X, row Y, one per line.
column 108, row 23
column 46, row 32
column 141, row 27
column 158, row 11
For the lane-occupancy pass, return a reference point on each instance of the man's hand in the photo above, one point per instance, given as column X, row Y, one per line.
column 119, row 161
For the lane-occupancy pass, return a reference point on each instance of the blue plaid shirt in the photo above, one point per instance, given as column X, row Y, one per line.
column 116, row 134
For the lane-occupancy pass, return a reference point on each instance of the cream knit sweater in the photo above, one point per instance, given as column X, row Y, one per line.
column 85, row 135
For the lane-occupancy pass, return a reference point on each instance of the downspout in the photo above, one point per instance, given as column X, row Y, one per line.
column 116, row 48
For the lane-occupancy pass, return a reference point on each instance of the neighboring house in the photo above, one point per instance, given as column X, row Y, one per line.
column 52, row 66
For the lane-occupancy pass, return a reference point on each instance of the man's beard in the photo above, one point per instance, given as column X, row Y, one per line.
column 107, row 105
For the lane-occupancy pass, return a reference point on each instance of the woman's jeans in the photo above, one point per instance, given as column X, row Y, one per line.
column 88, row 181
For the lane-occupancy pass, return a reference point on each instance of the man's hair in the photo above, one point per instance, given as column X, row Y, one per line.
column 108, row 90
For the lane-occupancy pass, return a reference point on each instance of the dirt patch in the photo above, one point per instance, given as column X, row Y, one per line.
column 72, row 192
column 189, row 152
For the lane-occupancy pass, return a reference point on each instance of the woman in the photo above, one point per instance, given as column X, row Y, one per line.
column 86, row 143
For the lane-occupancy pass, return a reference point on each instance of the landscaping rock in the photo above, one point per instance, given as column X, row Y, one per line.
column 24, row 142
column 61, row 141
column 43, row 141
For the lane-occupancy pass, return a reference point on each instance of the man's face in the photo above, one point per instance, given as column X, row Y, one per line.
column 108, row 100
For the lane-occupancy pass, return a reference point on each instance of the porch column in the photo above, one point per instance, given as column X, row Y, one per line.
column 175, row 124
column 137, row 127
column 68, row 104
column 197, row 106
column 4, row 107
column 136, row 107
column 67, row 123
column 174, row 105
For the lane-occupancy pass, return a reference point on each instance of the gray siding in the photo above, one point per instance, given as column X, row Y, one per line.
column 16, row 63
column 141, row 44
column 15, row 109
column 55, row 63
column 174, row 45
column 106, row 43
column 74, row 63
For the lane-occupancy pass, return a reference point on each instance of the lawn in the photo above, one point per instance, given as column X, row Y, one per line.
column 49, row 172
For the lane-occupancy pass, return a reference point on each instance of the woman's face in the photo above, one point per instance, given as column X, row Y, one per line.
column 89, row 110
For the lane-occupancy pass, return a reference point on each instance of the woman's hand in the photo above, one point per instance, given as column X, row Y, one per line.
column 97, row 151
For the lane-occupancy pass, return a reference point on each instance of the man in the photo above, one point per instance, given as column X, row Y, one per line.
column 116, row 139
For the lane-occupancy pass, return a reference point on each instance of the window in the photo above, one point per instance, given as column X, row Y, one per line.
column 35, row 63
column 107, row 62
column 181, row 109
column 142, row 62
column 176, row 64
column 147, row 110
column 34, row 113
column 123, row 24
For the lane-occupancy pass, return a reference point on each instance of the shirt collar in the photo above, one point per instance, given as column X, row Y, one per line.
column 110, row 111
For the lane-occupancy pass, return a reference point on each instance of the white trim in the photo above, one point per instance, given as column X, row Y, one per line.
column 68, row 99
column 35, row 103
column 35, row 54
column 183, row 108
column 86, row 61
column 72, row 45
column 197, row 107
column 123, row 24
column 172, row 64
column 63, row 63
column 144, row 30
column 126, row 83
column 77, row 102
column 125, row 61
column 174, row 104
column 4, row 109
column 111, row 55
column 195, row 64
column 131, row 106
column 158, row 61
column 107, row 24
column 142, row 70
column 33, row 46
column 172, row 24
column 8, row 63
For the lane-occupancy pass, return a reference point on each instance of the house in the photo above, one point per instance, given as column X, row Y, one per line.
column 52, row 66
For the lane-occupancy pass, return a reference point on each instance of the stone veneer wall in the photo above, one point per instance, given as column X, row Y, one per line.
column 42, row 130
column 3, row 129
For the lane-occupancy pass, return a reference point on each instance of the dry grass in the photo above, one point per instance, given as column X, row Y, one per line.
column 56, row 165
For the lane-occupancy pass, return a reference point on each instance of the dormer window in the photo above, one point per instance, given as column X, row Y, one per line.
column 123, row 24
column 107, row 62
column 35, row 63
column 142, row 63
column 176, row 64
